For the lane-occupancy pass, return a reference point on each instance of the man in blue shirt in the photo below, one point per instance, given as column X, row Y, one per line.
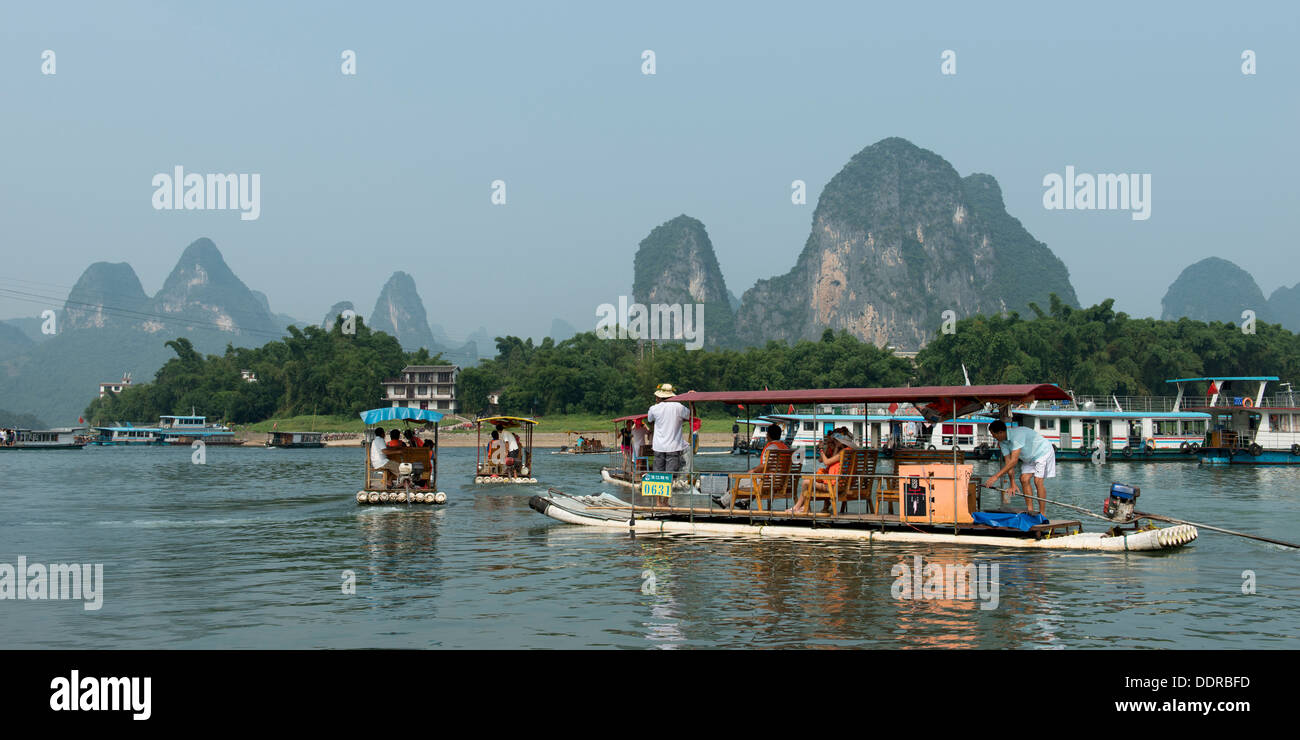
column 1035, row 456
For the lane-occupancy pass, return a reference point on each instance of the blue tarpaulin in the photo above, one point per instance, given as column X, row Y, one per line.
column 374, row 416
column 1022, row 521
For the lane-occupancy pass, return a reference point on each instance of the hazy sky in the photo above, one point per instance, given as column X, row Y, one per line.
column 392, row 168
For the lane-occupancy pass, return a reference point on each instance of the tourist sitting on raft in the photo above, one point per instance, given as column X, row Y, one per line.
column 832, row 456
column 773, row 443
column 378, row 460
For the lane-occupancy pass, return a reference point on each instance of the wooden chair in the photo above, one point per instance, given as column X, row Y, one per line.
column 857, row 481
column 774, row 483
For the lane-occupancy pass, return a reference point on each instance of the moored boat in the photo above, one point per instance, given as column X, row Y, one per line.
column 126, row 435
column 42, row 439
column 1246, row 425
column 295, row 440
column 186, row 430
column 1080, row 431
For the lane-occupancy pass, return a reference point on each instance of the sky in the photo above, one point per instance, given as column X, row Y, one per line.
column 393, row 168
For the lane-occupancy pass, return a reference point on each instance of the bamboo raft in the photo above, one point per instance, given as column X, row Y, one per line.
column 607, row 511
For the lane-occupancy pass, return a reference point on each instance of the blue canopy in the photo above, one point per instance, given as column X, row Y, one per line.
column 392, row 413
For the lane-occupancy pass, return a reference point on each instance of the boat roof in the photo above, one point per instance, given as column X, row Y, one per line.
column 1222, row 378
column 919, row 394
column 169, row 416
column 1111, row 414
column 390, row 413
column 507, row 421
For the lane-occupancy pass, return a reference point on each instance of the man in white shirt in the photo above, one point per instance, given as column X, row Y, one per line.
column 667, row 418
column 378, row 460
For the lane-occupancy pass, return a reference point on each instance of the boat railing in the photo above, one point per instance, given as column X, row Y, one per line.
column 1277, row 400
column 802, row 494
column 1136, row 404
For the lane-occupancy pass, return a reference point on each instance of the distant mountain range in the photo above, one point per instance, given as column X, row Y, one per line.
column 109, row 326
column 1216, row 289
column 898, row 238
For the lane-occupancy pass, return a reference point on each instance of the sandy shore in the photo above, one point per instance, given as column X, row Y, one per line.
column 460, row 439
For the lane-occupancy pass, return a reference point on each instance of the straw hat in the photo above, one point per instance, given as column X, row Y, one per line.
column 665, row 391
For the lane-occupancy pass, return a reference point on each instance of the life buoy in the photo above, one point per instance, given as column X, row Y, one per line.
column 1248, row 402
column 1295, row 449
column 1149, row 445
column 1255, row 449
column 1128, row 451
column 1185, row 447
column 1196, row 447
column 932, row 447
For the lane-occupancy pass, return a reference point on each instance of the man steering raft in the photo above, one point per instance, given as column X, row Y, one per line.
column 1036, row 457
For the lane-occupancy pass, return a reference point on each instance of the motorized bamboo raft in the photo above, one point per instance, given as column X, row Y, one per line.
column 508, row 459
column 935, row 493
column 413, row 475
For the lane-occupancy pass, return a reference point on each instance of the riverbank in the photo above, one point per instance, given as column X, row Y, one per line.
column 470, row 439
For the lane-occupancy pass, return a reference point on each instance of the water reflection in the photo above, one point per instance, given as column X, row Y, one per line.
column 248, row 549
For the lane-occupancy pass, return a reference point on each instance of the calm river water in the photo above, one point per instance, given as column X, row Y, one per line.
column 250, row 550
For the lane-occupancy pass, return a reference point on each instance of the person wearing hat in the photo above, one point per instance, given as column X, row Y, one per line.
column 666, row 418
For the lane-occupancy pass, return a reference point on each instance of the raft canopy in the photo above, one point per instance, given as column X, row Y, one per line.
column 507, row 421
column 948, row 395
column 634, row 417
column 391, row 413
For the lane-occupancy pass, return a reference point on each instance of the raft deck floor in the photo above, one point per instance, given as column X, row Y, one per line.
column 679, row 512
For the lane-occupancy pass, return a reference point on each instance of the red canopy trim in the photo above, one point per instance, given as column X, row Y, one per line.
column 921, row 395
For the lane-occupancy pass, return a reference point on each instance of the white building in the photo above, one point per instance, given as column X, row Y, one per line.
column 424, row 387
column 114, row 386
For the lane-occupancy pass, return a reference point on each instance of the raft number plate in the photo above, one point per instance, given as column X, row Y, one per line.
column 656, row 484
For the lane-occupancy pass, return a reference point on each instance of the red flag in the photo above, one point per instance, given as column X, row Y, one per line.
column 792, row 408
column 740, row 405
column 1214, row 388
column 695, row 424
column 80, row 420
column 893, row 407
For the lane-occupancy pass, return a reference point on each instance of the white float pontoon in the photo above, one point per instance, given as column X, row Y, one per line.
column 416, row 479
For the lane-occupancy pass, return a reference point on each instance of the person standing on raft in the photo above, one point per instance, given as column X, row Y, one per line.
column 1035, row 455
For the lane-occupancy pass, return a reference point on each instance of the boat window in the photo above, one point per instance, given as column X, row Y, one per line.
column 1046, row 423
column 807, row 426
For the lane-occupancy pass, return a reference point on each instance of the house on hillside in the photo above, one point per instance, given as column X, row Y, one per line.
column 424, row 387
column 114, row 386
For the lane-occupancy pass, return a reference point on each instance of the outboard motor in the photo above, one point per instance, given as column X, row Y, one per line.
column 1119, row 504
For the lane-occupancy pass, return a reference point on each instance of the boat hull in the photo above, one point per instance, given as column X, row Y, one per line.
column 602, row 511
column 1225, row 456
